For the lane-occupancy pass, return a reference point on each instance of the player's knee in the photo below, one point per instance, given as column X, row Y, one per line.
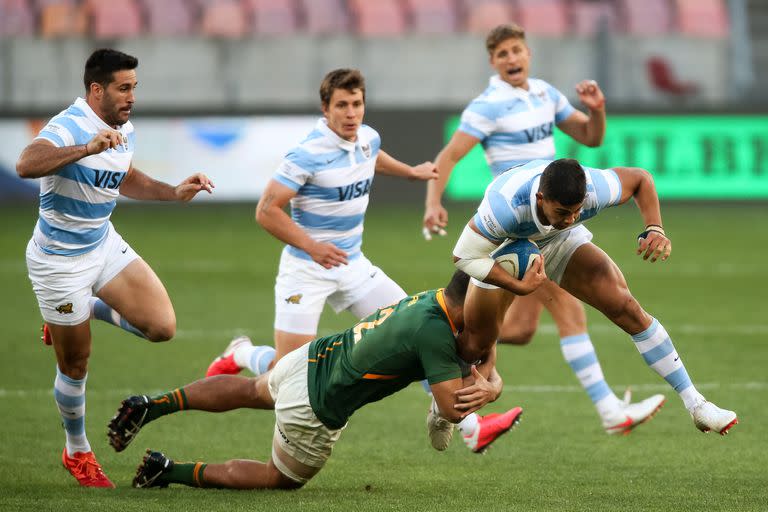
column 517, row 337
column 162, row 331
column 74, row 369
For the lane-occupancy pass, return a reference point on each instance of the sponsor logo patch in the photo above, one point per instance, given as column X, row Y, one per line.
column 65, row 309
column 294, row 299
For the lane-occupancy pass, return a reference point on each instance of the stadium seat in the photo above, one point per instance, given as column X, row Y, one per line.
column 433, row 16
column 664, row 80
column 483, row 15
column 61, row 18
column 646, row 18
column 114, row 19
column 273, row 17
column 705, row 18
column 543, row 17
column 324, row 16
column 227, row 19
column 588, row 15
column 168, row 17
column 16, row 18
column 379, row 18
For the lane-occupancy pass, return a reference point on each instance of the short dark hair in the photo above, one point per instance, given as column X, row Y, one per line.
column 347, row 79
column 103, row 63
column 564, row 181
column 457, row 287
column 501, row 33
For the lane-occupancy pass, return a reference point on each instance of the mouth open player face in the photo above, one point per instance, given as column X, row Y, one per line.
column 511, row 60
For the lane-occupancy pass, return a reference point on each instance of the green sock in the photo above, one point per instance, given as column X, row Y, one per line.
column 167, row 403
column 187, row 473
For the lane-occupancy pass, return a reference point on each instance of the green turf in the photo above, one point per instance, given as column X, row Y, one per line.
column 219, row 269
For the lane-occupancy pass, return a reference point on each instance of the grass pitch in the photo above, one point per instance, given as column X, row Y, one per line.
column 219, row 268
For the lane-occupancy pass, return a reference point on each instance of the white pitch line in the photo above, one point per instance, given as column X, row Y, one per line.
column 702, row 329
column 529, row 388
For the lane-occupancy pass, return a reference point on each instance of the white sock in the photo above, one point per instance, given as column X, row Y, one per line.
column 468, row 425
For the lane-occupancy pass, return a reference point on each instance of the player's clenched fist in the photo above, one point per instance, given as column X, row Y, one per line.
column 590, row 94
column 425, row 171
column 105, row 139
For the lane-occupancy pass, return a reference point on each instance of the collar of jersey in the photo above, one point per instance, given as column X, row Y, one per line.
column 344, row 144
column 535, row 188
column 497, row 82
column 90, row 114
column 440, row 296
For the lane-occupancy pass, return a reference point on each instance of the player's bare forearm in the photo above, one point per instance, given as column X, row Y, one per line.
column 446, row 398
column 637, row 184
column 271, row 216
column 595, row 128
column 138, row 185
column 460, row 144
column 435, row 188
column 386, row 164
column 43, row 158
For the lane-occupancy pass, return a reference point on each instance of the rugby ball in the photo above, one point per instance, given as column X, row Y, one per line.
column 516, row 257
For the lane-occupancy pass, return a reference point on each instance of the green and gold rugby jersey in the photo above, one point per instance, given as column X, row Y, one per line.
column 399, row 344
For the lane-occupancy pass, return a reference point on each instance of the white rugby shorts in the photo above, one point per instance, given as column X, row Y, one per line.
column 64, row 284
column 298, row 432
column 557, row 252
column 303, row 287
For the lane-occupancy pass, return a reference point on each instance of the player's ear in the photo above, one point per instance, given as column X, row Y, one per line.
column 96, row 90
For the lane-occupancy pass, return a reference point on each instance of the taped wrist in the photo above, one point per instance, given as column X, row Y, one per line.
column 651, row 228
column 474, row 251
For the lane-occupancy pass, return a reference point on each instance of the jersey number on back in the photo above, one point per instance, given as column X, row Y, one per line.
column 358, row 329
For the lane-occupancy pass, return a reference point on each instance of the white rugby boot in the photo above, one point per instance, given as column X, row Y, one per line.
column 709, row 417
column 440, row 429
column 630, row 415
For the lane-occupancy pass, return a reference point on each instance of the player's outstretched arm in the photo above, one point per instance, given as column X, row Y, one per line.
column 386, row 164
column 272, row 217
column 42, row 158
column 638, row 184
column 435, row 215
column 587, row 129
column 138, row 185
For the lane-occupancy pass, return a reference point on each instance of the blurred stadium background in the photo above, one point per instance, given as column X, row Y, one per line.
column 226, row 86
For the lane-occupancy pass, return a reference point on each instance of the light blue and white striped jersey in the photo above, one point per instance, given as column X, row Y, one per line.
column 77, row 200
column 508, row 209
column 515, row 126
column 332, row 178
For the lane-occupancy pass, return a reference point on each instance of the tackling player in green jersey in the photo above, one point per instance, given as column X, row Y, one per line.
column 316, row 388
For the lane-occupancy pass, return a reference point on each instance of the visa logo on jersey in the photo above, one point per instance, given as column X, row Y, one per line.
column 540, row 132
column 109, row 179
column 354, row 190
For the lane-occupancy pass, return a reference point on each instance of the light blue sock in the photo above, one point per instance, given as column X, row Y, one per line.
column 656, row 347
column 581, row 357
column 69, row 394
column 261, row 358
column 256, row 358
column 102, row 311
